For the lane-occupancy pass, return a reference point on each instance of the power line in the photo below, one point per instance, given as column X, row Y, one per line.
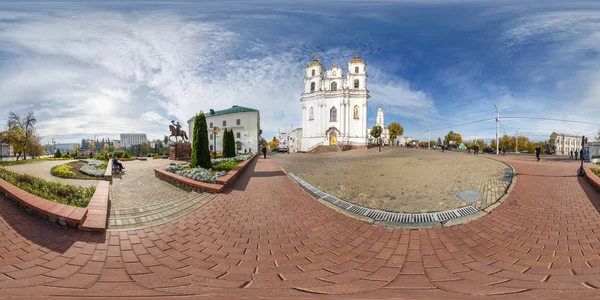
column 552, row 119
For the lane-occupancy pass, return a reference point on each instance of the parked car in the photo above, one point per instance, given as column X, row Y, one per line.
column 489, row 150
column 282, row 149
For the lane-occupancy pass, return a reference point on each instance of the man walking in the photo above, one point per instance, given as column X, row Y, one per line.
column 576, row 153
column 264, row 151
column 504, row 151
column 571, row 155
column 537, row 152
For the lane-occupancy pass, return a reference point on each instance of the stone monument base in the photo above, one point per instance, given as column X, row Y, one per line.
column 180, row 151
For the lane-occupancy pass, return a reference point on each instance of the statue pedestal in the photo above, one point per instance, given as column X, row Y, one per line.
column 180, row 151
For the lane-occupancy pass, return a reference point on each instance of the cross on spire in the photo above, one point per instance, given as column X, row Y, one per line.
column 356, row 53
column 315, row 56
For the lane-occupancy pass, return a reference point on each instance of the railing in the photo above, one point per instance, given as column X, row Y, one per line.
column 311, row 148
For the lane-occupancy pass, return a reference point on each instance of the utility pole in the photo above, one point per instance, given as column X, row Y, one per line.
column 429, row 141
column 517, row 141
column 497, row 129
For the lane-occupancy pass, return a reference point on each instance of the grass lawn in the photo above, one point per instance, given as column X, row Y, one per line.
column 57, row 192
column 27, row 161
column 596, row 171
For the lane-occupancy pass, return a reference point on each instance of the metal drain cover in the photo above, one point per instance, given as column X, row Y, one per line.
column 470, row 195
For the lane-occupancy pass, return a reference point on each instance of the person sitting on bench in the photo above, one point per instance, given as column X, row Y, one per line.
column 118, row 164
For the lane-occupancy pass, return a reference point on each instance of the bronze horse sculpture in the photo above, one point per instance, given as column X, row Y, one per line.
column 177, row 132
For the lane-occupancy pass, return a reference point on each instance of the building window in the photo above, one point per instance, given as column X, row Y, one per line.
column 211, row 125
column 224, row 123
column 333, row 114
column 311, row 114
column 238, row 135
column 313, row 72
column 355, row 69
column 239, row 147
column 211, row 147
column 238, row 122
column 334, row 86
column 312, row 86
column 356, row 84
column 355, row 112
column 210, row 136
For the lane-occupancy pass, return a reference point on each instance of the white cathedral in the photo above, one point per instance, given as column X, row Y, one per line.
column 334, row 105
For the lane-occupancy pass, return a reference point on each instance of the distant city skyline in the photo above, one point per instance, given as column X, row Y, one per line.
column 92, row 68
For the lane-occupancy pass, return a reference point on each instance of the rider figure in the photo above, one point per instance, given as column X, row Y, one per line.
column 177, row 128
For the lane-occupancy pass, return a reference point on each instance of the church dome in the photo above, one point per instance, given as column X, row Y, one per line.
column 356, row 59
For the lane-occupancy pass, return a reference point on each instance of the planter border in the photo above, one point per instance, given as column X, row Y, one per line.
column 199, row 186
column 88, row 218
column 591, row 177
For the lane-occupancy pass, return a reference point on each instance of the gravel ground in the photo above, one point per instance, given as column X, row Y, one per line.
column 400, row 179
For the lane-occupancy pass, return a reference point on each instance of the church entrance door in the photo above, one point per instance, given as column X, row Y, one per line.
column 332, row 138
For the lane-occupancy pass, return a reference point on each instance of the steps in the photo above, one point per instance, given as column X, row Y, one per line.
column 327, row 149
column 151, row 215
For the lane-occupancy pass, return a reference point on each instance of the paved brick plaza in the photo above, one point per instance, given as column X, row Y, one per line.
column 266, row 237
column 400, row 179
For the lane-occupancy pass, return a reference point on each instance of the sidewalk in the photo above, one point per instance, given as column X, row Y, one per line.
column 266, row 237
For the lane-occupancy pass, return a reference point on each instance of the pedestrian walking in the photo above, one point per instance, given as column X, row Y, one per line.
column 264, row 151
column 468, row 150
column 571, row 155
column 504, row 151
column 476, row 149
column 537, row 152
column 576, row 153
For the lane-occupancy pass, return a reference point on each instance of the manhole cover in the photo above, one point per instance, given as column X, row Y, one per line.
column 470, row 195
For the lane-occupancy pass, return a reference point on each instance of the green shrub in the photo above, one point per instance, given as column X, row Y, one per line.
column 200, row 153
column 66, row 156
column 596, row 171
column 225, row 166
column 57, row 154
column 63, row 171
column 52, row 191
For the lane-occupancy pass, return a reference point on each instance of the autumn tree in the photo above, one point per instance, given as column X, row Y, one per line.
column 452, row 137
column 106, row 148
column 27, row 125
column 395, row 130
column 92, row 145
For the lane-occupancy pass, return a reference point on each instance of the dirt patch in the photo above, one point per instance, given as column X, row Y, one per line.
column 76, row 166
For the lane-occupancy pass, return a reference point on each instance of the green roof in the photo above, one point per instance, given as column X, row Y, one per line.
column 234, row 109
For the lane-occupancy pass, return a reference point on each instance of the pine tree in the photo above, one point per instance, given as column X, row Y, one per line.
column 225, row 145
column 57, row 154
column 232, row 143
column 200, row 153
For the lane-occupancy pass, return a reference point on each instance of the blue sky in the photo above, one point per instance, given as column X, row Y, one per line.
column 99, row 69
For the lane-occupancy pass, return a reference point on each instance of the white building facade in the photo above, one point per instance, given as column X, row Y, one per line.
column 291, row 139
column 132, row 139
column 334, row 105
column 245, row 123
column 385, row 133
column 563, row 144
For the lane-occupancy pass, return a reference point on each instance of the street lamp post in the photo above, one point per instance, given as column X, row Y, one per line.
column 497, row 129
column 517, row 141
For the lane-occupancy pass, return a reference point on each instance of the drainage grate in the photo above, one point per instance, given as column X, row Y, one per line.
column 508, row 175
column 470, row 195
column 381, row 215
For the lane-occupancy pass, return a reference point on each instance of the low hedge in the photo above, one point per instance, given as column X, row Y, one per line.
column 225, row 166
column 63, row 171
column 57, row 192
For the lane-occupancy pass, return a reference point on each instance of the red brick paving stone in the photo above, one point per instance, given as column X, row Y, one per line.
column 411, row 282
column 77, row 281
column 345, row 288
column 230, row 222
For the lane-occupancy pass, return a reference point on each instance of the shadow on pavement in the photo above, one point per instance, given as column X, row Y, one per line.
column 242, row 181
column 39, row 230
column 591, row 192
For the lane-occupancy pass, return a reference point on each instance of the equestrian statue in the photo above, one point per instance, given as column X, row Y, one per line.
column 177, row 132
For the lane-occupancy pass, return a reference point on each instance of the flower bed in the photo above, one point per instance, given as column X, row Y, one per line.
column 93, row 167
column 63, row 171
column 220, row 167
column 60, row 193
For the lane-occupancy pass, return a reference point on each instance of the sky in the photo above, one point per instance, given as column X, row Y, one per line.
column 89, row 69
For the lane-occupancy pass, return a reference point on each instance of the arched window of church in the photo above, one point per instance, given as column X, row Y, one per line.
column 334, row 86
column 333, row 114
column 313, row 72
column 356, row 112
column 311, row 114
column 355, row 69
column 312, row 86
column 356, row 84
